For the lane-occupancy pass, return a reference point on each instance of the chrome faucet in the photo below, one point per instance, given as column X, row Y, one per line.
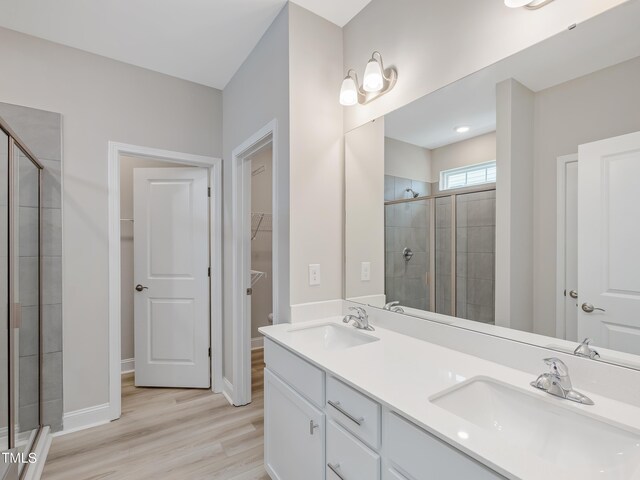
column 393, row 307
column 584, row 350
column 361, row 319
column 558, row 383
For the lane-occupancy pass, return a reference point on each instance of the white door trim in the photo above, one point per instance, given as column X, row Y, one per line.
column 241, row 248
column 561, row 224
column 215, row 253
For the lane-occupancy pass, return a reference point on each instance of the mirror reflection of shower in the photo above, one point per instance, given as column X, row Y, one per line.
column 413, row 193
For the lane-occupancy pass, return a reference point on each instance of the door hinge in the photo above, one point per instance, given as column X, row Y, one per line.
column 249, row 291
column 209, row 351
column 209, row 271
column 208, row 191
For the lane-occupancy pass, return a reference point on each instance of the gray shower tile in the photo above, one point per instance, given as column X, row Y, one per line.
column 389, row 188
column 28, row 417
column 28, row 281
column 420, row 187
column 443, row 263
column 28, row 184
column 481, row 313
column 51, row 280
column 52, row 328
column 28, row 231
column 38, row 129
column 443, row 215
column 419, row 215
column 462, row 264
column 461, row 239
column 28, row 380
column 29, row 326
column 51, row 185
column 52, row 232
column 404, row 214
column 400, row 188
column 418, row 239
column 481, row 213
column 52, row 375
column 443, row 240
column 481, row 265
column 52, row 414
column 461, row 214
column 481, row 239
column 480, row 291
column 421, row 259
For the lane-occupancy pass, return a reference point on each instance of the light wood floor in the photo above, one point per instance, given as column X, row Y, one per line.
column 167, row 434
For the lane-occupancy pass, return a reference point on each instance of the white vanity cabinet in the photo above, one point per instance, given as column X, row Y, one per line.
column 294, row 433
column 319, row 428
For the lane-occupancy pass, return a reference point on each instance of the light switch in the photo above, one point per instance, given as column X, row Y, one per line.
column 365, row 271
column 314, row 274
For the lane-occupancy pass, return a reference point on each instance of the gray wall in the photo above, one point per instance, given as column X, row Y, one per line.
column 41, row 131
column 101, row 100
column 601, row 105
column 257, row 94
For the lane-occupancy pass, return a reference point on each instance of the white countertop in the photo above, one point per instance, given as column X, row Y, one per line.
column 403, row 373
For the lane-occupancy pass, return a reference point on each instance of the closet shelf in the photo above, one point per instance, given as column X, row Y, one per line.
column 260, row 222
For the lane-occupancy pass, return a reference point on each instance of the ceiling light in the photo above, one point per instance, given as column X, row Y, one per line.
column 462, row 129
column 530, row 4
column 377, row 81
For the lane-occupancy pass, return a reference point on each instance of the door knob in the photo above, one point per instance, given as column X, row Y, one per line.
column 140, row 288
column 589, row 308
column 573, row 294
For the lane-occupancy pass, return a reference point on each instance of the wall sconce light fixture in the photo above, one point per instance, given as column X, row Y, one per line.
column 377, row 81
column 530, row 4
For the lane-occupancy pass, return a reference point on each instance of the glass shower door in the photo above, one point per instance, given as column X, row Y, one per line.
column 4, row 294
column 25, row 254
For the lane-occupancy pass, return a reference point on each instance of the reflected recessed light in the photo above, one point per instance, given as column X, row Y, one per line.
column 463, row 435
column 463, row 129
column 530, row 4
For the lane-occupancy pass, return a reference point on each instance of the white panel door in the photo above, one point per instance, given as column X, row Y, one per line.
column 609, row 243
column 571, row 251
column 171, row 262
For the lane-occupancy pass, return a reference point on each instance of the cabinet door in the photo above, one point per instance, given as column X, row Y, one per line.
column 294, row 433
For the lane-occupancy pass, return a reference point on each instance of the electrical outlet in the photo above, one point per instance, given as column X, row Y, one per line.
column 314, row 274
column 365, row 271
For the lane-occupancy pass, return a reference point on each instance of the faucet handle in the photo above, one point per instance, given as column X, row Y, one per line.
column 557, row 366
column 585, row 350
column 362, row 313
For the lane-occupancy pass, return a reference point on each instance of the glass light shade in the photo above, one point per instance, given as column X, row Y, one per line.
column 373, row 81
column 517, row 3
column 348, row 92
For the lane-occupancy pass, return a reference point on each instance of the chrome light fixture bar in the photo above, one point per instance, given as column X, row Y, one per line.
column 529, row 4
column 377, row 81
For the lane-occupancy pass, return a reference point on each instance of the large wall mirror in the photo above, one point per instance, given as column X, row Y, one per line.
column 509, row 202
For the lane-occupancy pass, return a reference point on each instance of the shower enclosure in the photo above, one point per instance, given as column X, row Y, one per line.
column 20, row 305
column 440, row 253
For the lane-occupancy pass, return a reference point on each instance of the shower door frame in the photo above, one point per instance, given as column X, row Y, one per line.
column 454, row 193
column 14, row 308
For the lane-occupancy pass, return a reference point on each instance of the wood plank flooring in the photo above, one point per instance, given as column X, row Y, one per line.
column 168, row 434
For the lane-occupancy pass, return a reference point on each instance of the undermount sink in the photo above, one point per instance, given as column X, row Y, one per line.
column 331, row 336
column 545, row 429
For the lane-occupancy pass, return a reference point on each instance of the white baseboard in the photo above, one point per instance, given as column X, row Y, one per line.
column 305, row 312
column 227, row 391
column 85, row 418
column 128, row 365
column 257, row 343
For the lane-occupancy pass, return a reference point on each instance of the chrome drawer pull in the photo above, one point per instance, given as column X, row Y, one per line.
column 334, row 469
column 336, row 405
column 312, row 426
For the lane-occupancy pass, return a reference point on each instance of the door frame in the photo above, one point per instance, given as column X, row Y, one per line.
column 214, row 165
column 561, row 225
column 240, row 391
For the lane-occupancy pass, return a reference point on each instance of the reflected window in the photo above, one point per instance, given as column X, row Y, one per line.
column 468, row 176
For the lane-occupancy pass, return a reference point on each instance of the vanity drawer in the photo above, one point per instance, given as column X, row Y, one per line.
column 421, row 456
column 347, row 458
column 298, row 373
column 354, row 411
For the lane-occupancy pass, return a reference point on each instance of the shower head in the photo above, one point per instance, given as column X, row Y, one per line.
column 414, row 194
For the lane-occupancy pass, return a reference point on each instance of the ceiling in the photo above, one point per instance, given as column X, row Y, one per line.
column 603, row 41
column 204, row 41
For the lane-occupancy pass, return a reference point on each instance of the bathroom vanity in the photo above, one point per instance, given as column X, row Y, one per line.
column 341, row 403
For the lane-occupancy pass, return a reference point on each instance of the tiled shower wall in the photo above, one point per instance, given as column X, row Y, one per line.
column 41, row 131
column 395, row 188
column 476, row 237
column 406, row 226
